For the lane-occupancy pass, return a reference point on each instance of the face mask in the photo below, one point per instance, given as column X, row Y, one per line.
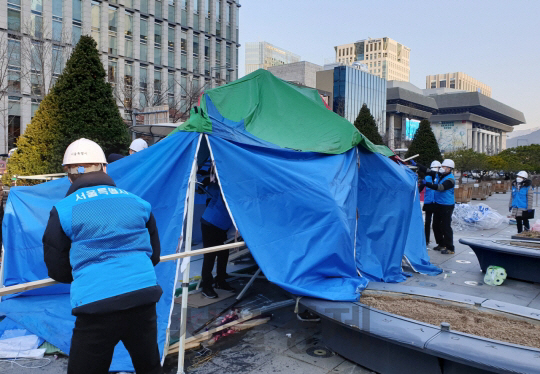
column 519, row 179
column 436, row 170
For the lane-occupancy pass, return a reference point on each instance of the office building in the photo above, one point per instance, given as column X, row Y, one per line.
column 384, row 57
column 262, row 55
column 459, row 81
column 459, row 119
column 160, row 51
column 351, row 88
column 302, row 73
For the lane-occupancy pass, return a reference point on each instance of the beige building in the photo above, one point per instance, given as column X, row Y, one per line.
column 262, row 55
column 459, row 81
column 383, row 57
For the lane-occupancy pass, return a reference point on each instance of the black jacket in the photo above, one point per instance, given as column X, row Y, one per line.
column 56, row 247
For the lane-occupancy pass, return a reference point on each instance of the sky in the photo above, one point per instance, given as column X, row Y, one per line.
column 493, row 41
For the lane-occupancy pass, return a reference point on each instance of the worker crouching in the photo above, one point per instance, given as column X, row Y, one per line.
column 104, row 241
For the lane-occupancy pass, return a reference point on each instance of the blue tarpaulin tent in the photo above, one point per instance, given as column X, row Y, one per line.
column 319, row 225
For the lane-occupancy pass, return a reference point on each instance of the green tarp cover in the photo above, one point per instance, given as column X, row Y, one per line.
column 280, row 113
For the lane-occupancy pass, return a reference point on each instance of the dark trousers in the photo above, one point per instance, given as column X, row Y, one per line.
column 213, row 236
column 427, row 225
column 442, row 226
column 522, row 222
column 96, row 335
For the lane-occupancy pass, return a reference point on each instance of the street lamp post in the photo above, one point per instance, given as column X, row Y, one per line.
column 218, row 68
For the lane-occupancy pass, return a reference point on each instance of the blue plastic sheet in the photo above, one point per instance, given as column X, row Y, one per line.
column 388, row 221
column 297, row 212
column 159, row 175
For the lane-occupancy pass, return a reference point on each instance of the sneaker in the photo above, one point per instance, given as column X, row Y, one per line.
column 447, row 251
column 209, row 293
column 224, row 286
column 307, row 316
column 438, row 248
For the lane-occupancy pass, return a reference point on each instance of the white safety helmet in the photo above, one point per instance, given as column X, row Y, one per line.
column 435, row 165
column 138, row 145
column 448, row 163
column 523, row 174
column 84, row 151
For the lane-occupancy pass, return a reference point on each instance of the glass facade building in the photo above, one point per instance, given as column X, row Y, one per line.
column 353, row 88
column 262, row 55
column 193, row 43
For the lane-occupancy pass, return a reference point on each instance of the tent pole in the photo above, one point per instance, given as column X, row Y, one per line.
column 185, row 279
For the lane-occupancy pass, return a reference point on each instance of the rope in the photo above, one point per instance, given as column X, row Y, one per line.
column 20, row 362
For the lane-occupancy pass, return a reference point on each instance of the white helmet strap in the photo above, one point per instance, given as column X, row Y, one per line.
column 76, row 169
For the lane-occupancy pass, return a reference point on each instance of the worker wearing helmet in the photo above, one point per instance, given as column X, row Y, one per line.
column 137, row 145
column 521, row 200
column 429, row 198
column 444, row 200
column 104, row 241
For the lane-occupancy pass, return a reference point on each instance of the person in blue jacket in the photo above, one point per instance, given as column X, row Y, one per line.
column 429, row 199
column 521, row 200
column 104, row 241
column 445, row 202
column 215, row 223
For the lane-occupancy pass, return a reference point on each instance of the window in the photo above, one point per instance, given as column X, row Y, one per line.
column 228, row 20
column 196, row 64
column 158, row 10
column 157, row 34
column 35, row 84
column 228, row 55
column 143, row 77
column 144, row 6
column 207, row 18
column 196, row 6
column 77, row 21
column 218, row 54
column 112, row 70
column 36, row 21
column 128, row 31
column 206, row 67
column 35, row 106
column 170, row 46
column 157, row 81
column 112, row 19
column 195, row 44
column 37, row 6
column 128, row 74
column 442, row 83
column 96, row 17
column 238, row 23
column 183, row 41
column 170, row 88
column 157, row 43
column 14, row 81
column 452, row 83
column 57, row 60
column 207, row 48
column 143, row 39
column 112, row 30
column 183, row 61
column 14, row 15
column 183, row 21
column 218, row 18
column 433, row 84
column 171, row 14
column 14, row 120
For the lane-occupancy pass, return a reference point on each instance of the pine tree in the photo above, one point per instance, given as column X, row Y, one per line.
column 425, row 144
column 80, row 105
column 365, row 123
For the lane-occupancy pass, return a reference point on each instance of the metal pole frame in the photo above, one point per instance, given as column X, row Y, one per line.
column 185, row 279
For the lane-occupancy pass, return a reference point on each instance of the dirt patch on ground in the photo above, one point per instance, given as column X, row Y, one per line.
column 529, row 235
column 463, row 319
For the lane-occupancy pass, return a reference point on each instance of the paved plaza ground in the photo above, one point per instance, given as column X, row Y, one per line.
column 286, row 345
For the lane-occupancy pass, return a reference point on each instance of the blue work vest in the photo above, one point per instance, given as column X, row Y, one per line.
column 110, row 244
column 445, row 197
column 519, row 196
column 429, row 194
column 216, row 212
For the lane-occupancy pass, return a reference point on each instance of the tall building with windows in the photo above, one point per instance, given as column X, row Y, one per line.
column 155, row 52
column 459, row 81
column 384, row 57
column 262, row 55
